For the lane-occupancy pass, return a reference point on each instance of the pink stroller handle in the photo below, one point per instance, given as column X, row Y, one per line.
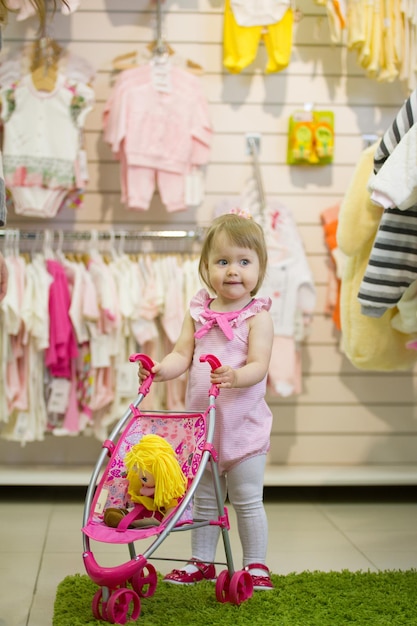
column 212, row 360
column 214, row 363
column 148, row 363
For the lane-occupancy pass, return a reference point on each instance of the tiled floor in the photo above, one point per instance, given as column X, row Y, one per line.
column 41, row 542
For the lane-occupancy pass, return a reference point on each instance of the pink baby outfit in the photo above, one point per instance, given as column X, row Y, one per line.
column 62, row 350
column 158, row 136
column 243, row 418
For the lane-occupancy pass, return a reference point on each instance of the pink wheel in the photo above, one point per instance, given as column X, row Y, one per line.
column 241, row 587
column 145, row 584
column 222, row 586
column 98, row 607
column 118, row 606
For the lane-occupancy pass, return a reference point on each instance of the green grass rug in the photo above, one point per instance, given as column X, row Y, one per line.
column 307, row 599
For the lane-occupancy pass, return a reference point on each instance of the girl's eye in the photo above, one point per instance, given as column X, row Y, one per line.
column 222, row 262
column 244, row 262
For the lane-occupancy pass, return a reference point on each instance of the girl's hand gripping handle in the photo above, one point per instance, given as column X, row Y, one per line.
column 148, row 364
column 214, row 363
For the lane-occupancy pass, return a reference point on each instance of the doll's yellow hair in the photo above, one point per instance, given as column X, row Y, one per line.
column 155, row 455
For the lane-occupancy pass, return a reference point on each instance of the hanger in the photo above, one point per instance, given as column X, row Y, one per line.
column 47, row 251
column 11, row 243
column 44, row 63
column 160, row 47
column 125, row 61
column 44, row 79
column 130, row 60
column 157, row 47
column 112, row 250
column 122, row 241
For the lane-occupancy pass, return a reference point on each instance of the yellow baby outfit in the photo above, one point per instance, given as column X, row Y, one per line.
column 240, row 43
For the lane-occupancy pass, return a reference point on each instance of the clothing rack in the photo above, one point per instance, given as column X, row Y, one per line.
column 169, row 240
column 82, row 235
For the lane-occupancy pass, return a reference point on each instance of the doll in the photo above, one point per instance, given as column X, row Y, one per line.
column 155, row 483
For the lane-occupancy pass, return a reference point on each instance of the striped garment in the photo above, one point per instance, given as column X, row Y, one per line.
column 405, row 119
column 392, row 264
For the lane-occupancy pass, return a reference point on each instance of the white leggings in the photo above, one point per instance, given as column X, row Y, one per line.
column 243, row 484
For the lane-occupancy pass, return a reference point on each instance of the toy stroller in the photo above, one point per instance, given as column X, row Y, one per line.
column 191, row 435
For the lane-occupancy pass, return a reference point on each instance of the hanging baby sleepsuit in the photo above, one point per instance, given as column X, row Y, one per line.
column 245, row 27
column 41, row 150
column 157, row 134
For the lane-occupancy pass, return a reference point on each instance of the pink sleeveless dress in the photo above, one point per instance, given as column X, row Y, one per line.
column 243, row 418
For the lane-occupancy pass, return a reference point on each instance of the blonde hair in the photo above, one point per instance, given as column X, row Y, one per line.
column 153, row 454
column 240, row 231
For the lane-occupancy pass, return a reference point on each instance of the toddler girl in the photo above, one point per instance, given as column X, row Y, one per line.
column 237, row 328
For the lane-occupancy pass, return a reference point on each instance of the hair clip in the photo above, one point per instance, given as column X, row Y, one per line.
column 241, row 213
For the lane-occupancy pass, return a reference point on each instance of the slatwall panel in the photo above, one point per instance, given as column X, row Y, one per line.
column 344, row 417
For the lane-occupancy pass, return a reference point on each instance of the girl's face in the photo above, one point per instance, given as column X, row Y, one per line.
column 233, row 271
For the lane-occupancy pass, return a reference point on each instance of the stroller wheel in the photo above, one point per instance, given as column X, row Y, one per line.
column 241, row 587
column 119, row 604
column 143, row 584
column 98, row 607
column 222, row 586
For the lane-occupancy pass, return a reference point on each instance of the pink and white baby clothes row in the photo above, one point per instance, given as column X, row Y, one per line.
column 68, row 330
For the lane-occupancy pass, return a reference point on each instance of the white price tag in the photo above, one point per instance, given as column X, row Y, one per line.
column 100, row 351
column 83, row 164
column 194, row 188
column 127, row 380
column 161, row 76
column 58, row 400
column 21, row 425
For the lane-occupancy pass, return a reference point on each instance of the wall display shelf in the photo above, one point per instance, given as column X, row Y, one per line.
column 275, row 476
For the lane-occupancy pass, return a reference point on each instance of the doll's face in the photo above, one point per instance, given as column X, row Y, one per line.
column 147, row 479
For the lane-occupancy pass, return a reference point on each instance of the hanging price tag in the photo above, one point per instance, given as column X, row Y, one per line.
column 127, row 382
column 58, row 400
column 161, row 74
column 83, row 165
column 194, row 188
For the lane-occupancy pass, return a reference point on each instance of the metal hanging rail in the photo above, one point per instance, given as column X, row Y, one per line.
column 130, row 242
column 161, row 46
column 85, row 235
column 254, row 151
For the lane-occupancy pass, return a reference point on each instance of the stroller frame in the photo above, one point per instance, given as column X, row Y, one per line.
column 114, row 601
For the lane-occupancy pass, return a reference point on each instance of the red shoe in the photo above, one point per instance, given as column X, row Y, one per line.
column 260, row 583
column 181, row 577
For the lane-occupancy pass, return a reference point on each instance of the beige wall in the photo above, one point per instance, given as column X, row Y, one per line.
column 343, row 416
